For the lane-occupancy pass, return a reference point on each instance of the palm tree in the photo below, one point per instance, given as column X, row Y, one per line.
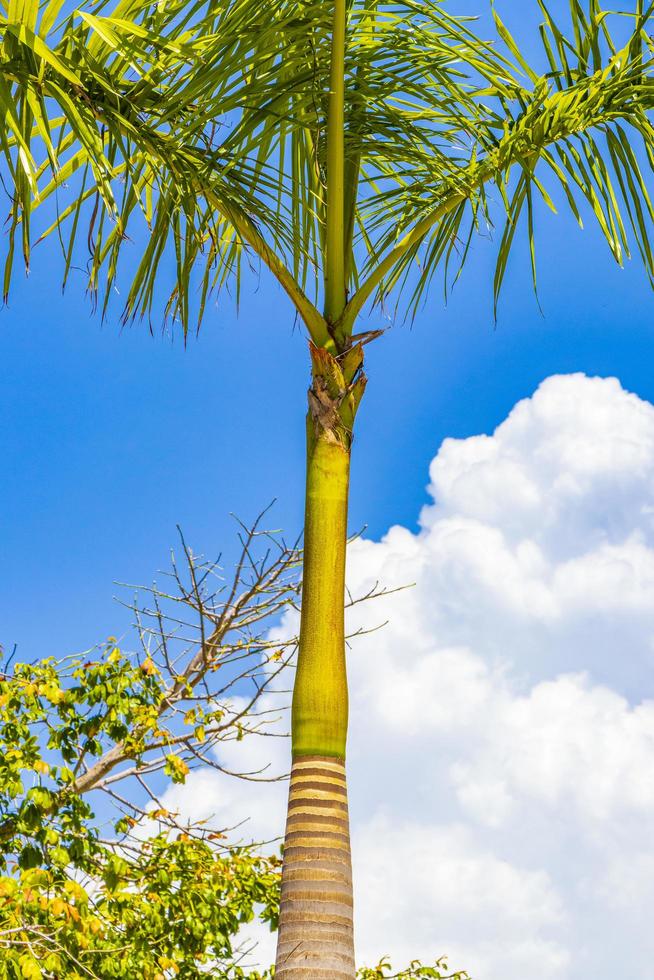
column 355, row 147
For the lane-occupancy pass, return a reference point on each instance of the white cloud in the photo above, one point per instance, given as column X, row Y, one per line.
column 455, row 889
column 501, row 753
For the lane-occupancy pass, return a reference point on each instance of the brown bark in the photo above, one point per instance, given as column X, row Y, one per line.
column 316, row 930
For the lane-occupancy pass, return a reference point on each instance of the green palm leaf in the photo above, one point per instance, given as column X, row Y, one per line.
column 575, row 126
column 202, row 127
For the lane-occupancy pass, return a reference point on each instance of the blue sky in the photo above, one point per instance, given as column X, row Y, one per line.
column 110, row 437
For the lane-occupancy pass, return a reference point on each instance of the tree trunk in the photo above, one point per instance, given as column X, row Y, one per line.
column 316, row 928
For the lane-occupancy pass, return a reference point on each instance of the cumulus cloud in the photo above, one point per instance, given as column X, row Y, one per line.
column 457, row 889
column 501, row 753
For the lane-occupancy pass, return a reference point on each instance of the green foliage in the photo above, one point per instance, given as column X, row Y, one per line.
column 439, row 971
column 73, row 892
column 571, row 123
column 69, row 898
column 109, row 114
column 81, row 704
column 165, row 908
column 203, row 126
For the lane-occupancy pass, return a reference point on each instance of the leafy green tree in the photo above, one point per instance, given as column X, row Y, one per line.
column 350, row 146
column 163, row 908
column 97, row 877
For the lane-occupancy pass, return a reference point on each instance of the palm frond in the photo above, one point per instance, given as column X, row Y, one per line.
column 574, row 125
column 129, row 114
column 193, row 134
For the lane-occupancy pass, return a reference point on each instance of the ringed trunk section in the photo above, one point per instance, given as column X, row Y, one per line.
column 316, row 940
column 316, row 937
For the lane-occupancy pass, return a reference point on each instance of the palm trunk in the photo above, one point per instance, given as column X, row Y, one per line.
column 316, row 929
column 316, row 935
